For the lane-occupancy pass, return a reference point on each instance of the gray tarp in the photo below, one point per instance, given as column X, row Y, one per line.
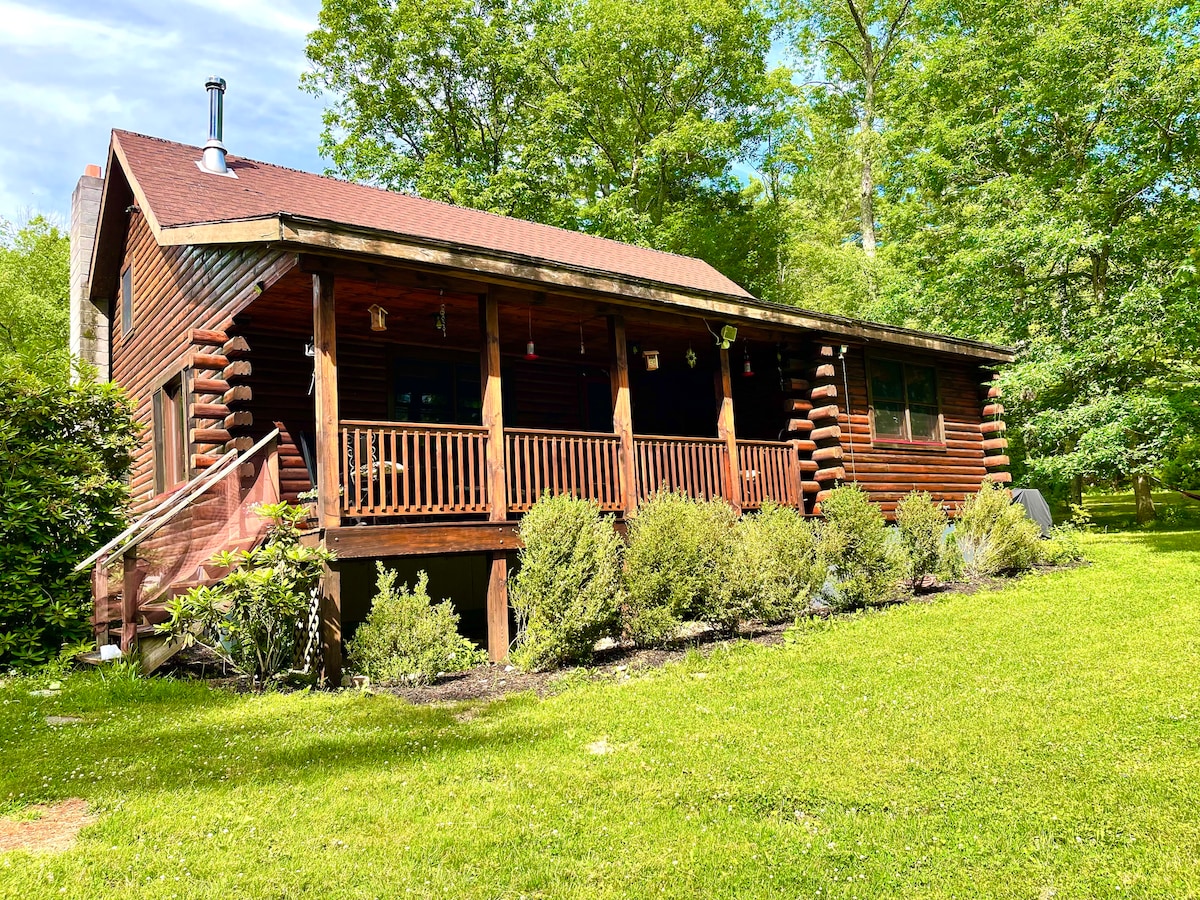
column 1035, row 507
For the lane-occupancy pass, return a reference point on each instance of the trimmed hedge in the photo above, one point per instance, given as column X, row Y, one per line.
column 567, row 593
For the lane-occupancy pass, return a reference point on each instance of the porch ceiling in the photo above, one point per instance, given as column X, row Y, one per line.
column 556, row 321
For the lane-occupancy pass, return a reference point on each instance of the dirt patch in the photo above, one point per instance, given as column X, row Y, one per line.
column 611, row 663
column 51, row 828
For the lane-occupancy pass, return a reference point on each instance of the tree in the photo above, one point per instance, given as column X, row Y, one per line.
column 34, row 303
column 856, row 43
column 1043, row 200
column 606, row 116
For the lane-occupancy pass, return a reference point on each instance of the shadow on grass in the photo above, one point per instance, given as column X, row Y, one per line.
column 1171, row 540
column 145, row 748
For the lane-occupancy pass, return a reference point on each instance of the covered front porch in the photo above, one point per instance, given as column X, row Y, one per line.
column 437, row 410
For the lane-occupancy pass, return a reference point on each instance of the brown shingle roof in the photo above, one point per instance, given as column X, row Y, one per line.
column 178, row 193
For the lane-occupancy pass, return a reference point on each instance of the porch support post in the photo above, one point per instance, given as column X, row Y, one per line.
column 329, row 500
column 726, row 432
column 623, row 414
column 129, row 592
column 493, row 420
column 331, row 626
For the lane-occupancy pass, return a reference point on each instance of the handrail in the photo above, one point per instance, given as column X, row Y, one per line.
column 549, row 432
column 152, row 521
column 428, row 426
column 678, row 437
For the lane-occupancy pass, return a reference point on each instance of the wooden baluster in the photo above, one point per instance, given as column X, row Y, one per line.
column 344, row 502
column 427, row 497
column 408, row 476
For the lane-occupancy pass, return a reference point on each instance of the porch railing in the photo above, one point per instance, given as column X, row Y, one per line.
column 769, row 471
column 696, row 466
column 582, row 464
column 402, row 469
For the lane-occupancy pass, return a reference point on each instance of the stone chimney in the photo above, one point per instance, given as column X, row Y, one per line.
column 89, row 321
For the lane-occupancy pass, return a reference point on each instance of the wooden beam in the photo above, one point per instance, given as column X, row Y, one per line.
column 493, row 409
column 331, row 626
column 497, row 607
column 329, row 503
column 622, row 413
column 371, row 541
column 129, row 592
column 727, row 432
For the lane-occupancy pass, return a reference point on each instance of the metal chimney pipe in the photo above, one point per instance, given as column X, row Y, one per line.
column 214, row 150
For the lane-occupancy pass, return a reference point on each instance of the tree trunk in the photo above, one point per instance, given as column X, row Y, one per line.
column 1142, row 500
column 866, row 134
column 1077, row 490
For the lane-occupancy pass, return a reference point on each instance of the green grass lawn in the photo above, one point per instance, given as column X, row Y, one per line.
column 1116, row 511
column 1038, row 741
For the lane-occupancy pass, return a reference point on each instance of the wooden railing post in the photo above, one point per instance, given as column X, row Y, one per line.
column 726, row 431
column 100, row 613
column 493, row 420
column 329, row 498
column 129, row 598
column 623, row 414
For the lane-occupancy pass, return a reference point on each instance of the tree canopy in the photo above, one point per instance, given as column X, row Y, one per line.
column 34, row 309
column 1021, row 172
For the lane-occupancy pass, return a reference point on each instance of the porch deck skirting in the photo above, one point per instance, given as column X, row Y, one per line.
column 395, row 470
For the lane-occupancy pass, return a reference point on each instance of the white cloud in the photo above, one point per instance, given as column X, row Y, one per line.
column 62, row 105
column 74, row 69
column 261, row 14
column 27, row 28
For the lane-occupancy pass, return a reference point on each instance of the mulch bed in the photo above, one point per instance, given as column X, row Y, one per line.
column 613, row 660
column 490, row 681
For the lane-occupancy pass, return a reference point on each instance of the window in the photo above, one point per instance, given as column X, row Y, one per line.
column 127, row 300
column 436, row 391
column 170, row 434
column 904, row 403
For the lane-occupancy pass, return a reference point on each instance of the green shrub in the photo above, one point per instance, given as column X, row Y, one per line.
column 675, row 565
column 1063, row 547
column 994, row 535
column 773, row 569
column 251, row 617
column 863, row 562
column 922, row 526
column 407, row 637
column 567, row 593
column 64, row 452
column 1182, row 471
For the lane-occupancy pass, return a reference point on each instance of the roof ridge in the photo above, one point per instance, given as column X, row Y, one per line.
column 443, row 203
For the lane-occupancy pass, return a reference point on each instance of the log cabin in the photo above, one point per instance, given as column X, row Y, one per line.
column 426, row 372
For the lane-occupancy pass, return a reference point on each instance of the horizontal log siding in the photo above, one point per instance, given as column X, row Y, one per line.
column 949, row 475
column 175, row 289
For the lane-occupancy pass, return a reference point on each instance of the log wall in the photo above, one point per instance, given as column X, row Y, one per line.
column 973, row 431
column 184, row 297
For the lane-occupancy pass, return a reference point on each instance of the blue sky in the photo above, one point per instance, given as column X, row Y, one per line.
column 70, row 71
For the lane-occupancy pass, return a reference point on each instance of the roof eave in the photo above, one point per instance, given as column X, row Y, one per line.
column 316, row 235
